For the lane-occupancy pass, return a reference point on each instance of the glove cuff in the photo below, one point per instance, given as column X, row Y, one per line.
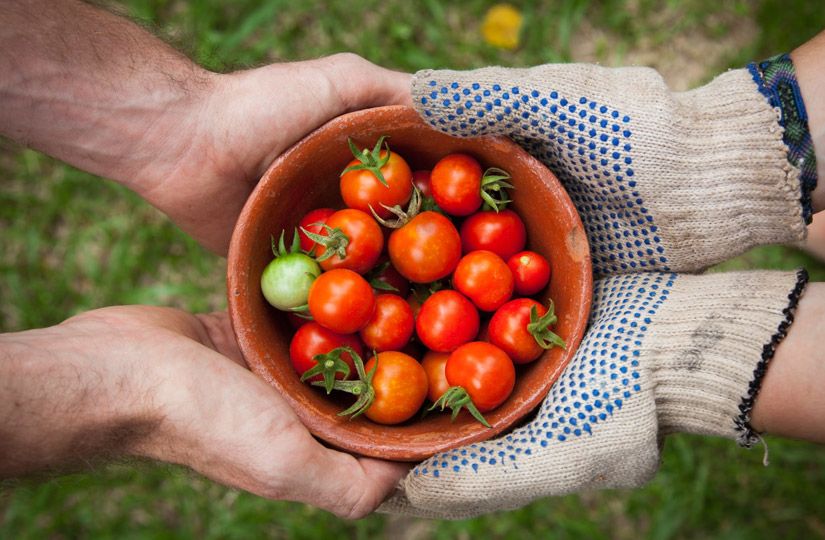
column 711, row 346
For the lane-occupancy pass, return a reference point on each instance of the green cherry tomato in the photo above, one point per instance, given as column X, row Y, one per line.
column 286, row 280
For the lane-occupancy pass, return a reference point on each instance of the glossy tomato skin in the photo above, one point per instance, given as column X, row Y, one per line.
column 503, row 233
column 361, row 189
column 341, row 300
column 312, row 339
column 446, row 320
column 531, row 272
column 508, row 330
column 484, row 371
column 434, row 364
column 421, row 180
column 456, row 184
column 483, row 277
column 366, row 240
column 400, row 385
column 312, row 222
column 425, row 249
column 287, row 279
column 391, row 325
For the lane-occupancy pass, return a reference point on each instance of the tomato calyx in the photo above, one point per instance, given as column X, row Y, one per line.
column 371, row 160
column 328, row 366
column 539, row 328
column 402, row 217
column 362, row 387
column 280, row 250
column 494, row 187
column 456, row 398
column 334, row 243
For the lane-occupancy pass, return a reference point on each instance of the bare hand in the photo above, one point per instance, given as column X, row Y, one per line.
column 181, row 378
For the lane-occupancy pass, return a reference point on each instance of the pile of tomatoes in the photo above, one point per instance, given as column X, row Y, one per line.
column 414, row 262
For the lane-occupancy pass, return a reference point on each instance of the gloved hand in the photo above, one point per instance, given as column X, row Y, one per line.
column 665, row 353
column 664, row 182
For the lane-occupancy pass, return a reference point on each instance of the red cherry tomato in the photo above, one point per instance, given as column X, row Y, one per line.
column 531, row 272
column 483, row 277
column 522, row 337
column 421, row 180
column 391, row 325
column 313, row 223
column 361, row 189
column 456, row 184
column 400, row 385
column 446, row 320
column 425, row 249
column 341, row 301
column 433, row 364
column 484, row 371
column 503, row 233
column 508, row 330
column 365, row 240
column 313, row 339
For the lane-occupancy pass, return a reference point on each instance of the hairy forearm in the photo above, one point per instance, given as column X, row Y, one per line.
column 61, row 405
column 95, row 90
column 791, row 402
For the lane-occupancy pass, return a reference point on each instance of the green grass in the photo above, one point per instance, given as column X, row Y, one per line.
column 71, row 242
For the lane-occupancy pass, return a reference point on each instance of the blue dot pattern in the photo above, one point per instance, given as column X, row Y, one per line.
column 600, row 380
column 586, row 143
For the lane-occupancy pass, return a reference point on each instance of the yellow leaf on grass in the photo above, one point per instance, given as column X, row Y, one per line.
column 501, row 26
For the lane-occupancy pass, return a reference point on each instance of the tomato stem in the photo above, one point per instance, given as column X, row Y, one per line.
column 539, row 328
column 402, row 216
column 335, row 242
column 494, row 187
column 281, row 247
column 362, row 387
column 455, row 398
column 370, row 160
column 328, row 366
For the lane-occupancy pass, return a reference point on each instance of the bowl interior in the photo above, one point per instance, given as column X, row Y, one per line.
column 305, row 178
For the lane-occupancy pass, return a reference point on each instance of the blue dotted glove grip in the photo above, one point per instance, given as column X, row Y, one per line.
column 603, row 376
column 587, row 144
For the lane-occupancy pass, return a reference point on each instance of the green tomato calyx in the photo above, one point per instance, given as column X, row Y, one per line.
column 362, row 387
column 328, row 366
column 280, row 250
column 494, row 186
column 539, row 328
column 335, row 242
column 457, row 398
column 370, row 160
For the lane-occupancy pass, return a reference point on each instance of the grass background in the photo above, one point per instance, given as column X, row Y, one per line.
column 72, row 242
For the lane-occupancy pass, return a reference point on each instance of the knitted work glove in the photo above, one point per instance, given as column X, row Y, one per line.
column 663, row 181
column 664, row 353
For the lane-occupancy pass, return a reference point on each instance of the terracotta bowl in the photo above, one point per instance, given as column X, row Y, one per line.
column 305, row 178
